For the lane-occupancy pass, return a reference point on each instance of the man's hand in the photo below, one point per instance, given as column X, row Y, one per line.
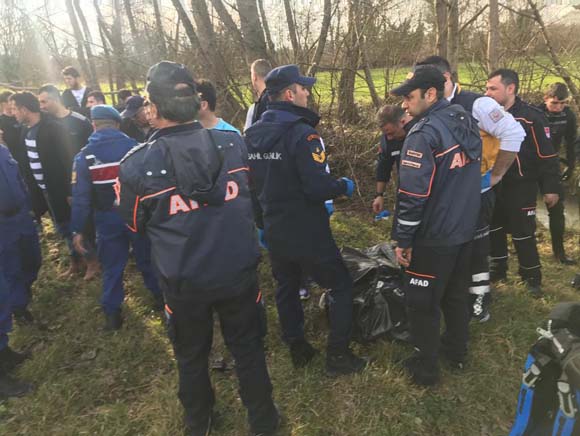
column 404, row 256
column 78, row 244
column 378, row 204
column 551, row 200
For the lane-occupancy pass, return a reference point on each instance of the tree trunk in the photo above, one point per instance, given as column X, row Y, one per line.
column 252, row 29
column 208, row 44
column 229, row 24
column 160, row 32
column 563, row 72
column 441, row 21
column 269, row 42
column 118, row 46
column 292, row 30
column 79, row 42
column 493, row 37
column 187, row 25
column 326, row 18
column 88, row 41
column 107, row 53
column 453, row 34
column 346, row 108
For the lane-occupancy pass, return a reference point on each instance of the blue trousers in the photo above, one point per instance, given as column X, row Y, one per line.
column 20, row 261
column 5, row 311
column 113, row 242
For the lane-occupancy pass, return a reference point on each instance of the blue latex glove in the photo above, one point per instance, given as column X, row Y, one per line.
column 383, row 215
column 261, row 239
column 349, row 186
column 329, row 208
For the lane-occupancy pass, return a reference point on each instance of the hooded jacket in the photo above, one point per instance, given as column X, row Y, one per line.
column 95, row 171
column 187, row 188
column 290, row 182
column 439, row 179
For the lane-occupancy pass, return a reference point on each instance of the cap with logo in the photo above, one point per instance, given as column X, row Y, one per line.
column 132, row 106
column 105, row 112
column 169, row 79
column 284, row 76
column 424, row 77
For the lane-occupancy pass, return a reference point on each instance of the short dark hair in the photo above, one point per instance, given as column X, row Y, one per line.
column 70, row 71
column 557, row 90
column 51, row 90
column 97, row 95
column 177, row 109
column 261, row 67
column 27, row 100
column 124, row 93
column 508, row 77
column 438, row 62
column 207, row 92
column 5, row 96
column 279, row 94
column 389, row 114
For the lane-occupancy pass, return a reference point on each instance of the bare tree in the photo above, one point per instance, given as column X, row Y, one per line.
column 229, row 24
column 493, row 36
column 159, row 28
column 252, row 29
column 441, row 26
column 292, row 30
column 266, row 27
column 326, row 18
column 90, row 73
column 346, row 108
column 453, row 33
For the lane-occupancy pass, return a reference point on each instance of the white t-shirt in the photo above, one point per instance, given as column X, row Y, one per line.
column 78, row 94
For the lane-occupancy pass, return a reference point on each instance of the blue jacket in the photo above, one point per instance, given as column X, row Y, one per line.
column 439, row 179
column 15, row 214
column 95, row 170
column 291, row 183
column 187, row 188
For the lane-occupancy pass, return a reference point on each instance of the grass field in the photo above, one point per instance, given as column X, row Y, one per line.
column 124, row 384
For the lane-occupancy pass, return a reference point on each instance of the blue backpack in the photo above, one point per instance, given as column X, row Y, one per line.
column 549, row 397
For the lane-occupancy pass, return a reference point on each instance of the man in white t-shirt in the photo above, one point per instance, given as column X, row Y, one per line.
column 74, row 97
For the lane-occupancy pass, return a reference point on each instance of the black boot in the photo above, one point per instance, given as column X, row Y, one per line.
column 576, row 281
column 23, row 317
column 197, row 430
column 11, row 387
column 158, row 303
column 10, row 359
column 113, row 321
column 302, row 353
column 422, row 372
column 344, row 363
column 563, row 259
column 479, row 307
column 497, row 272
column 534, row 287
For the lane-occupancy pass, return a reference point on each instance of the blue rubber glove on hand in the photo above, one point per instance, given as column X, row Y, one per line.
column 329, row 208
column 349, row 186
column 261, row 239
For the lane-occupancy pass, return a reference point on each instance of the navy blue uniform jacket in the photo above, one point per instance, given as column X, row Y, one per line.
column 439, row 179
column 289, row 178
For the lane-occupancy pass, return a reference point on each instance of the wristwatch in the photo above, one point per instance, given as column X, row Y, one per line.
column 380, row 194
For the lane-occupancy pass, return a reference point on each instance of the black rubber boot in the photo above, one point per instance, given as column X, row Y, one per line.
column 344, row 363
column 301, row 353
column 10, row 359
column 534, row 287
column 113, row 321
column 422, row 373
column 11, row 387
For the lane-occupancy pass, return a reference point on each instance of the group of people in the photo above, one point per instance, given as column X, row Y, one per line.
column 187, row 191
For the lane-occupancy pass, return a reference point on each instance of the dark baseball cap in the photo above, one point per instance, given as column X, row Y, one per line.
column 132, row 106
column 169, row 79
column 284, row 76
column 424, row 77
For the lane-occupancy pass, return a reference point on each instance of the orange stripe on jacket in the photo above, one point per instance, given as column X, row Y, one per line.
column 427, row 276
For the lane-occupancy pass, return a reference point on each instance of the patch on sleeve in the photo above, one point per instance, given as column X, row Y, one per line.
column 73, row 178
column 547, row 131
column 319, row 155
column 410, row 163
column 313, row 137
column 414, row 153
column 496, row 115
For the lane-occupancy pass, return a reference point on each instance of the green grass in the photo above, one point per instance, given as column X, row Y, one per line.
column 92, row 383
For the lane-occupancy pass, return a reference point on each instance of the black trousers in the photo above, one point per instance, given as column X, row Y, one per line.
column 330, row 274
column 243, row 323
column 481, row 247
column 437, row 280
column 515, row 213
column 557, row 226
